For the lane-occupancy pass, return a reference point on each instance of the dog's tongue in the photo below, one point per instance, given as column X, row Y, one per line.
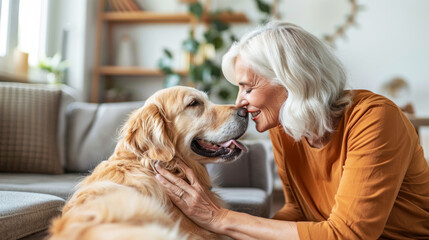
column 232, row 141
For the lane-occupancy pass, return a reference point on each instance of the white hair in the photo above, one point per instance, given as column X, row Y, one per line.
column 313, row 77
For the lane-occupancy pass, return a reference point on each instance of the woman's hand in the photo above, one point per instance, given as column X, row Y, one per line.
column 193, row 200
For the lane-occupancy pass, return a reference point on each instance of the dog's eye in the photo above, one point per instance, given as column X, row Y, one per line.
column 193, row 103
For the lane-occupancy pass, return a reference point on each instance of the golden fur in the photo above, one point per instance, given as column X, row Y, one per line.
column 121, row 199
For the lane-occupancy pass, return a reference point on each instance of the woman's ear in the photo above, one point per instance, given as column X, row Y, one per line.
column 145, row 134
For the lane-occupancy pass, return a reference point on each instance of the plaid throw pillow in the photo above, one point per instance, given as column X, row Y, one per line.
column 28, row 129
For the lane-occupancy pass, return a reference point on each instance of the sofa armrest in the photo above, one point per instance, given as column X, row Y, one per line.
column 251, row 170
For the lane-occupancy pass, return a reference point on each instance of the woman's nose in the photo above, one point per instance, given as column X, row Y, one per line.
column 240, row 102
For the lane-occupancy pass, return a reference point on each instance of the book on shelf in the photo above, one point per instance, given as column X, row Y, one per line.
column 123, row 6
column 114, row 6
column 134, row 5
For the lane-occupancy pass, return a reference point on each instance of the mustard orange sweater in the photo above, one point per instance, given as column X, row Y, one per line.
column 369, row 181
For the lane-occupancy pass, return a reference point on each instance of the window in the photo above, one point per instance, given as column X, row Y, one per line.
column 4, row 27
column 32, row 29
column 23, row 26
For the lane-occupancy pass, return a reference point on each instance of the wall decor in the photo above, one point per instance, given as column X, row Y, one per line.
column 350, row 21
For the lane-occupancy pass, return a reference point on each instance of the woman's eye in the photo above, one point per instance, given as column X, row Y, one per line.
column 248, row 90
column 193, row 103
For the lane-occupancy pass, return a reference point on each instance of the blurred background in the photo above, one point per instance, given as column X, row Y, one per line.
column 125, row 50
column 384, row 44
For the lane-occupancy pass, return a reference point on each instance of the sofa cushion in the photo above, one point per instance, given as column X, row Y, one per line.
column 250, row 163
column 28, row 129
column 62, row 185
column 92, row 132
column 22, row 214
column 253, row 201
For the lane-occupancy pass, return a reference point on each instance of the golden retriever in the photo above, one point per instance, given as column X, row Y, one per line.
column 121, row 199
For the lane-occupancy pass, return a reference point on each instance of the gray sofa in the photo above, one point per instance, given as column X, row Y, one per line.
column 81, row 135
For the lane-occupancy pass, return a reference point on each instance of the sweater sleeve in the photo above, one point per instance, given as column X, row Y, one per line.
column 291, row 210
column 379, row 150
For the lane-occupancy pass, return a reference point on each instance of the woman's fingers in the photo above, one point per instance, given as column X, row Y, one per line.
column 175, row 190
column 175, row 181
column 193, row 200
column 188, row 172
column 176, row 186
column 175, row 193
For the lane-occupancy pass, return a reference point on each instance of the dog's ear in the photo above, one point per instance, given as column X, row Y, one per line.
column 145, row 134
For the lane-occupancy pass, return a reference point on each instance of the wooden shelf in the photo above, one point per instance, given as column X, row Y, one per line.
column 107, row 21
column 133, row 71
column 153, row 17
column 229, row 17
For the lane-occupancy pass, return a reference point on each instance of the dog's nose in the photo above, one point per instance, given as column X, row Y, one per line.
column 242, row 112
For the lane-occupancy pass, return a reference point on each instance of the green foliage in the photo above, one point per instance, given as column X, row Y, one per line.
column 54, row 64
column 191, row 45
column 204, row 73
column 165, row 63
column 219, row 25
column 168, row 53
column 172, row 80
column 224, row 93
column 196, row 9
column 233, row 38
column 263, row 7
column 214, row 37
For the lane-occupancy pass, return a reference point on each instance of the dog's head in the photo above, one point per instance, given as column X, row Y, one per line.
column 181, row 121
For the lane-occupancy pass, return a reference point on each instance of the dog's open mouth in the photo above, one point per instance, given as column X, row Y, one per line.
column 225, row 150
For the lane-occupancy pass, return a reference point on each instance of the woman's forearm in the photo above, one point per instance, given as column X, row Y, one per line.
column 244, row 226
column 194, row 201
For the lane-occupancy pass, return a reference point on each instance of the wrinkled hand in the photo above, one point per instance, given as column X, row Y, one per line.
column 193, row 199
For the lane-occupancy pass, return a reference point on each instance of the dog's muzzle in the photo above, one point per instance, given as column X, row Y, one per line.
column 227, row 147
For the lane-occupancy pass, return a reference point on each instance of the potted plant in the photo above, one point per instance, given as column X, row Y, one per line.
column 55, row 68
column 204, row 72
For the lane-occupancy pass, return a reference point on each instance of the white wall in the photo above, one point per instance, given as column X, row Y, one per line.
column 391, row 39
column 77, row 17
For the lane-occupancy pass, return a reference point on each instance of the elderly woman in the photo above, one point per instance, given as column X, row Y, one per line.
column 350, row 161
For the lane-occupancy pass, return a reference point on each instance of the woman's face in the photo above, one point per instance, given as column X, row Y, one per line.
column 261, row 98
